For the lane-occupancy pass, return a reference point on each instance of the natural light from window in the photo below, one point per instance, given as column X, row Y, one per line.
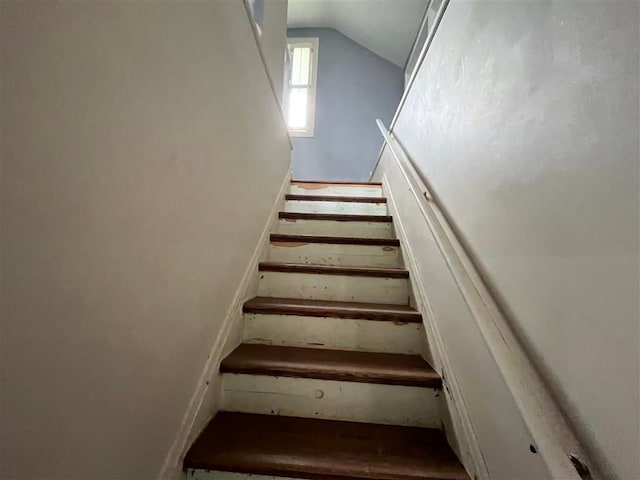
column 301, row 100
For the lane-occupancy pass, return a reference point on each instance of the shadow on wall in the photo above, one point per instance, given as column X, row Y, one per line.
column 355, row 86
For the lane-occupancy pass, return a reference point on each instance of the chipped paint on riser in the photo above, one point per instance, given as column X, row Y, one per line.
column 341, row 288
column 336, row 228
column 337, row 190
column 335, row 254
column 333, row 400
column 197, row 474
column 334, row 333
column 352, row 208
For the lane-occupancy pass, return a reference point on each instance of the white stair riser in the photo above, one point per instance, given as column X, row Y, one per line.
column 336, row 229
column 342, row 288
column 335, row 254
column 337, row 190
column 196, row 474
column 332, row 400
column 352, row 208
column 333, row 333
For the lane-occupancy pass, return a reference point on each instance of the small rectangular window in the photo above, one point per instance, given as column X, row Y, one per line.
column 302, row 86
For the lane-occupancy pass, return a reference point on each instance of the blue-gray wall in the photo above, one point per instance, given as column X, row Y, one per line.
column 355, row 86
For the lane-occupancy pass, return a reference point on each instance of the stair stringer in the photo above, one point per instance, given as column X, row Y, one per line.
column 456, row 421
column 206, row 398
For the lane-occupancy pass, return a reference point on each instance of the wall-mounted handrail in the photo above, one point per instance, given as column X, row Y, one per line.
column 552, row 436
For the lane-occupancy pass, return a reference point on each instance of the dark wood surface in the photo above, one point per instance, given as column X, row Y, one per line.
column 383, row 242
column 335, row 198
column 336, row 217
column 327, row 308
column 322, row 449
column 333, row 270
column 339, row 365
column 320, row 182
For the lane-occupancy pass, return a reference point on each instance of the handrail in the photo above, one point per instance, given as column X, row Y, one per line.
column 552, row 436
column 256, row 38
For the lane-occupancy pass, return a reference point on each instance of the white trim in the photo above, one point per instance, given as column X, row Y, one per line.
column 233, row 318
column 547, row 425
column 256, row 36
column 465, row 436
column 310, row 129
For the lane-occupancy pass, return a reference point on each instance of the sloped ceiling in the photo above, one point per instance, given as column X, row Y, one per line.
column 386, row 27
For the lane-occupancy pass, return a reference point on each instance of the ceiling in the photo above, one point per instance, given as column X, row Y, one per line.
column 386, row 27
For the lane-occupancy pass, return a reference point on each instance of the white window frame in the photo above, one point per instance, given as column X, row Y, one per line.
column 309, row 131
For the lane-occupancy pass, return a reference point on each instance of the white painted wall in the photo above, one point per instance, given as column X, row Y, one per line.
column 142, row 152
column 524, row 120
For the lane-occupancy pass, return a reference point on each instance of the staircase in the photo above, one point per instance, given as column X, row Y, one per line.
column 330, row 381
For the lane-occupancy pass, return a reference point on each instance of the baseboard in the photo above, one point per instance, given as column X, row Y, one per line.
column 461, row 435
column 208, row 387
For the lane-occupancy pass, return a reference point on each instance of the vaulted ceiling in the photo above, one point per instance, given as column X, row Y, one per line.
column 386, row 27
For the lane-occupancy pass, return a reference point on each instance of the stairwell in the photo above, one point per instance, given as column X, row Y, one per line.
column 330, row 380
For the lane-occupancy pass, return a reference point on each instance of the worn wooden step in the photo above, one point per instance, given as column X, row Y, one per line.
column 340, row 183
column 339, row 204
column 333, row 270
column 300, row 249
column 322, row 449
column 332, row 400
column 334, row 333
column 336, row 224
column 335, row 251
column 369, row 327
column 340, row 365
column 340, row 189
column 324, row 308
column 336, row 217
column 334, row 198
column 335, row 283
column 328, row 239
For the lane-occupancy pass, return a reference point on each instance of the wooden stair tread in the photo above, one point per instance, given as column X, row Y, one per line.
column 335, row 217
column 327, row 308
column 322, row 449
column 333, row 270
column 339, row 365
column 335, row 198
column 327, row 239
column 337, row 183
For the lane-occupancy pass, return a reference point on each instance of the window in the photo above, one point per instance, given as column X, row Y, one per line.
column 302, row 86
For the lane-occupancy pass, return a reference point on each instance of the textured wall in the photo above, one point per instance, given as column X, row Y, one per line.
column 524, row 119
column 142, row 150
column 355, row 86
column 274, row 41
